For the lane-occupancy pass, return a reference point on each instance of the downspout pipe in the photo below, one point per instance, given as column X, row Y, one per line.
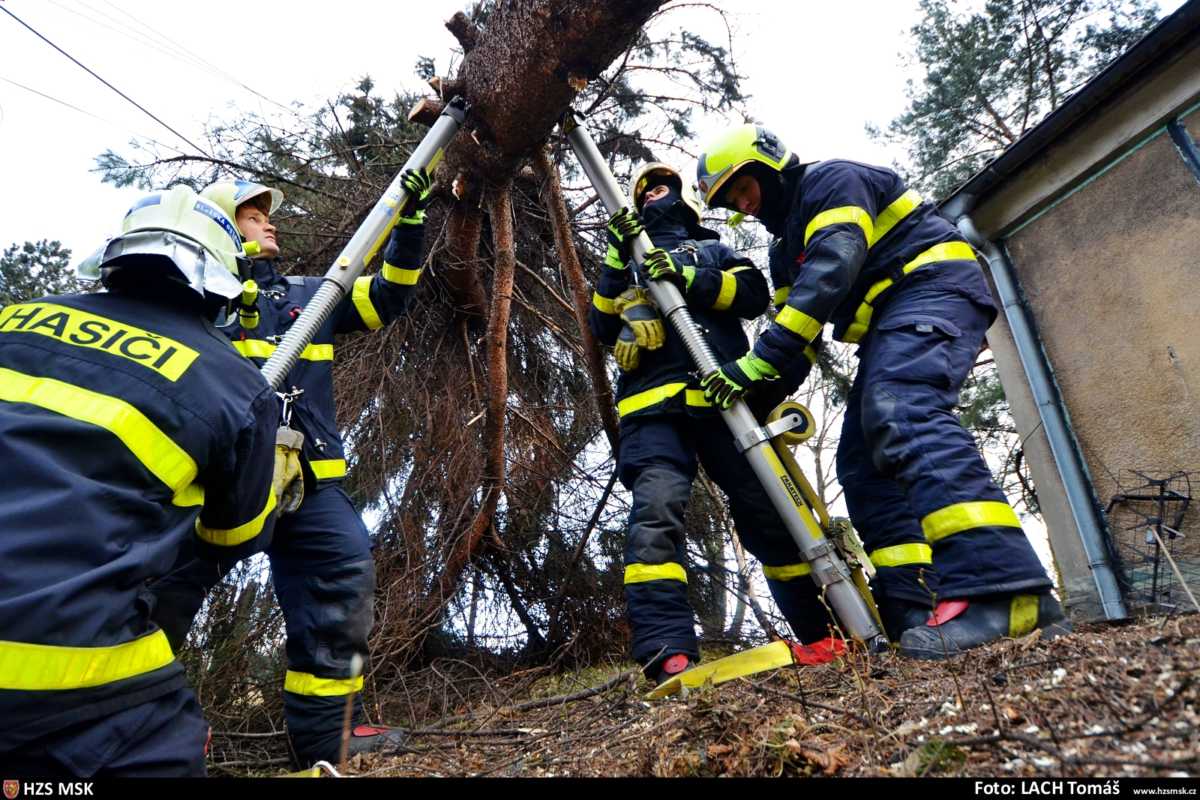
column 1045, row 394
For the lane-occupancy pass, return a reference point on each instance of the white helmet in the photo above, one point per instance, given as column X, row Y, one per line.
column 637, row 186
column 186, row 230
column 231, row 194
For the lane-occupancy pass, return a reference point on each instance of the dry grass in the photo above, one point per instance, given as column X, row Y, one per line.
column 1113, row 701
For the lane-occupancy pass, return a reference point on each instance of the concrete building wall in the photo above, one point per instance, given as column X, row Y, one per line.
column 1111, row 275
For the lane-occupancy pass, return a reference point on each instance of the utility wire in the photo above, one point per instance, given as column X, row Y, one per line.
column 142, row 108
column 191, row 55
column 87, row 113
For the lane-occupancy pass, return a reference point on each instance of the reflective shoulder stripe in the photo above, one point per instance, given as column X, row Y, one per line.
column 810, row 353
column 799, row 323
column 605, row 305
column 1022, row 615
column 743, row 268
column 966, row 516
column 900, row 554
column 897, row 210
column 312, row 686
column 157, row 452
column 640, row 573
column 728, row 291
column 781, row 295
column 42, row 667
column 229, row 537
column 361, row 296
column 786, row 572
column 399, row 275
column 946, row 251
column 259, row 348
column 641, row 400
column 326, row 468
column 852, row 215
column 696, row 398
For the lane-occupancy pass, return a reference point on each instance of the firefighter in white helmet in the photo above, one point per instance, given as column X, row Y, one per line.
column 321, row 562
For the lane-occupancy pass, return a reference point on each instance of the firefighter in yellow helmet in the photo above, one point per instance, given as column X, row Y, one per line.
column 857, row 248
column 668, row 428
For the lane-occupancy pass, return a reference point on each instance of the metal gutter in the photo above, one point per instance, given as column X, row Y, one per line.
column 1071, row 468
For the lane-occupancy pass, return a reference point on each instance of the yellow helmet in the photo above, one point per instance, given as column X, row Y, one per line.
column 182, row 230
column 733, row 149
column 637, row 187
column 231, row 194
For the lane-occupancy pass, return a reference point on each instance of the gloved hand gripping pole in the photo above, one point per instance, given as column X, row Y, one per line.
column 828, row 569
column 362, row 247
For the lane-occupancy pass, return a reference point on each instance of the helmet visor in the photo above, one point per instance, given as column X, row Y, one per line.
column 194, row 263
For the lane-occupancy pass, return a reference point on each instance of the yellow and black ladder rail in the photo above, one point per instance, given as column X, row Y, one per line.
column 362, row 247
column 828, row 569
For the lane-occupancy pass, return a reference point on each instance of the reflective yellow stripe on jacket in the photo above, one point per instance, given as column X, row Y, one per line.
column 400, row 275
column 326, row 468
column 42, row 667
column 260, row 348
column 640, row 573
column 660, row 394
column 230, row 537
column 946, row 251
column 156, row 451
column 361, row 297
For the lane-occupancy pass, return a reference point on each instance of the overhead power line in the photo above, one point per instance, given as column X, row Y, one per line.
column 87, row 113
column 140, row 107
column 190, row 54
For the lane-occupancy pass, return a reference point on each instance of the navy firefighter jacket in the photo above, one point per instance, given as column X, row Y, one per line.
column 375, row 301
column 120, row 419
column 726, row 289
column 849, row 235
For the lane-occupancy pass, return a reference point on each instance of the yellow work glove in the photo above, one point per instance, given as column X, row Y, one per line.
column 638, row 312
column 288, row 481
column 626, row 350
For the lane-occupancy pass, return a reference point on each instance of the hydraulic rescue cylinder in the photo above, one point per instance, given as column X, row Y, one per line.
column 754, row 440
column 362, row 247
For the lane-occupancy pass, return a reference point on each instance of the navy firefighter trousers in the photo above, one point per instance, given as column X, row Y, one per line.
column 325, row 582
column 913, row 476
column 657, row 464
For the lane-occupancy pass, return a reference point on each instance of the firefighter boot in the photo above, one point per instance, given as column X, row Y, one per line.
column 900, row 615
column 958, row 625
column 376, row 739
column 669, row 667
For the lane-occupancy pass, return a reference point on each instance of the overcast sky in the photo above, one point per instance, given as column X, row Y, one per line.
column 817, row 73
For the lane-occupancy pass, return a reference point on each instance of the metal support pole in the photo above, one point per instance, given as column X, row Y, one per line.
column 828, row 570
column 362, row 247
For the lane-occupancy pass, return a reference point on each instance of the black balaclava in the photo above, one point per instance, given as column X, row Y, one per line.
column 666, row 219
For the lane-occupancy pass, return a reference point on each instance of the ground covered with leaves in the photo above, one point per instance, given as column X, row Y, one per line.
column 1107, row 701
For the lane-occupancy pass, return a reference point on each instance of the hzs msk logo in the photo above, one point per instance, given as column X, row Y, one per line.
column 12, row 789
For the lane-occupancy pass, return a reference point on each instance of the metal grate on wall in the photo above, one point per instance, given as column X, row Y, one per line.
column 1156, row 541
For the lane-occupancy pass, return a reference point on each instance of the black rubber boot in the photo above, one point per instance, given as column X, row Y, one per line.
column 374, row 739
column 958, row 625
column 900, row 615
